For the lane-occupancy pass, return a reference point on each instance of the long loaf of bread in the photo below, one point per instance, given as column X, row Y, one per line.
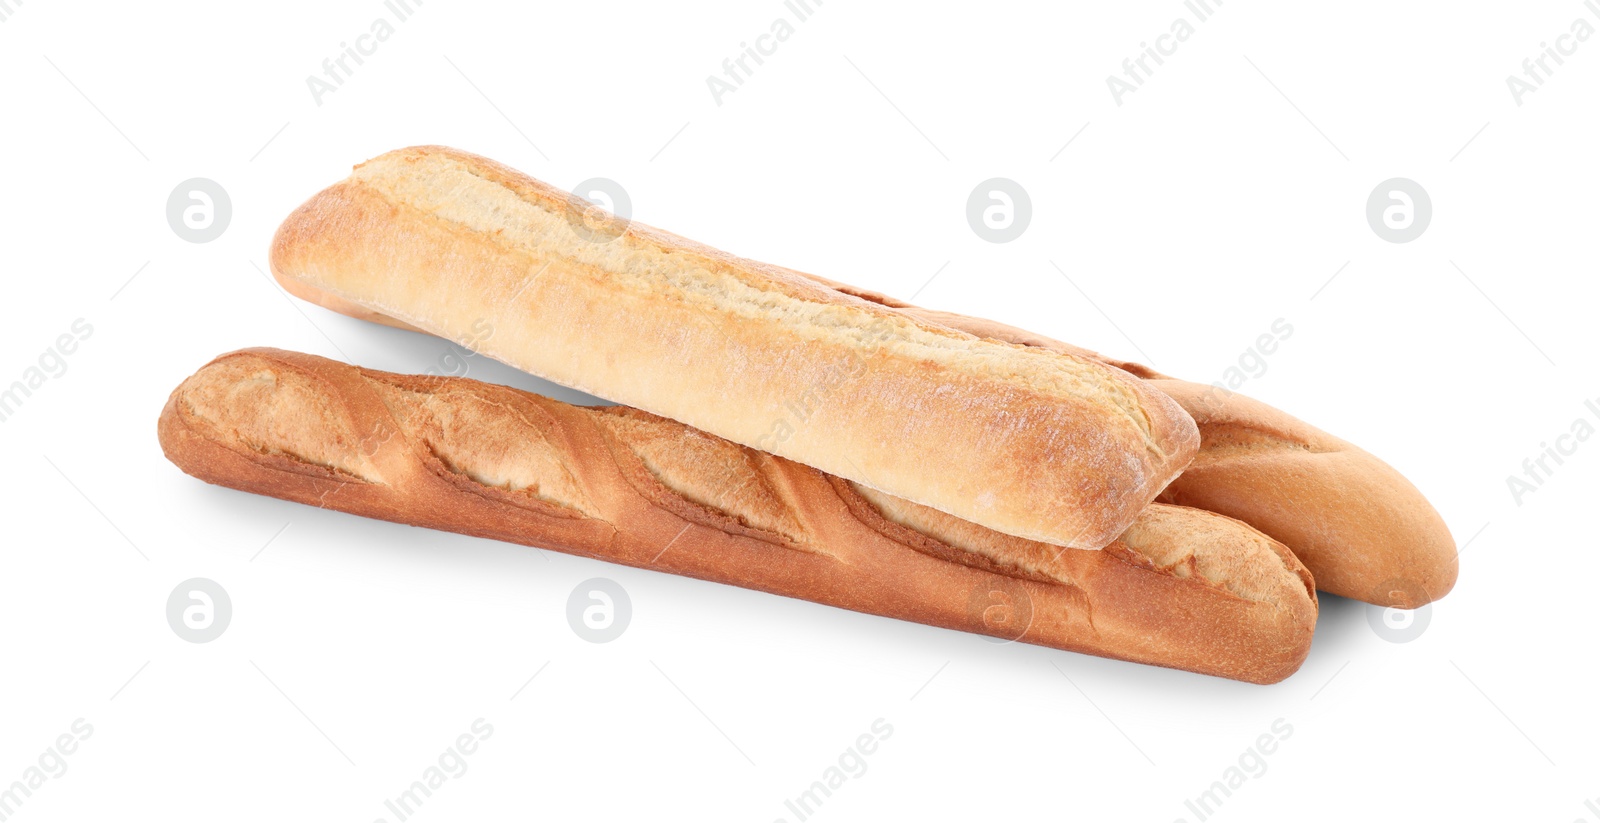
column 1362, row 529
column 1182, row 588
column 1041, row 444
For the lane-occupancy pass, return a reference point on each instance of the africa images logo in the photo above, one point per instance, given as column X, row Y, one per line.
column 1138, row 69
column 1538, row 469
column 1552, row 56
column 337, row 70
column 738, row 69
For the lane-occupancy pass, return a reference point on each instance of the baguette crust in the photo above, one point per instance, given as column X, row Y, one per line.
column 1363, row 530
column 1183, row 588
column 1046, row 445
column 1360, row 526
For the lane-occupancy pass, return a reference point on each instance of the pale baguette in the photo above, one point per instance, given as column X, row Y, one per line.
column 1035, row 443
column 1362, row 529
column 1182, row 588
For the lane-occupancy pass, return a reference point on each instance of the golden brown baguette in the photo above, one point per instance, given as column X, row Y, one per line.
column 1050, row 446
column 1183, row 588
column 1362, row 529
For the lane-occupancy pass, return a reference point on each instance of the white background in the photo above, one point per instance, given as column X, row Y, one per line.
column 1219, row 197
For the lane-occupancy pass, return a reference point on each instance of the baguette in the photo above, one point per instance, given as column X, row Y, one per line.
column 1182, row 588
column 1363, row 530
column 1049, row 446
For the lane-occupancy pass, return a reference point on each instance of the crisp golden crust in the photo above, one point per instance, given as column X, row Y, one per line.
column 1362, row 529
column 1360, row 526
column 1046, row 445
column 1186, row 589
